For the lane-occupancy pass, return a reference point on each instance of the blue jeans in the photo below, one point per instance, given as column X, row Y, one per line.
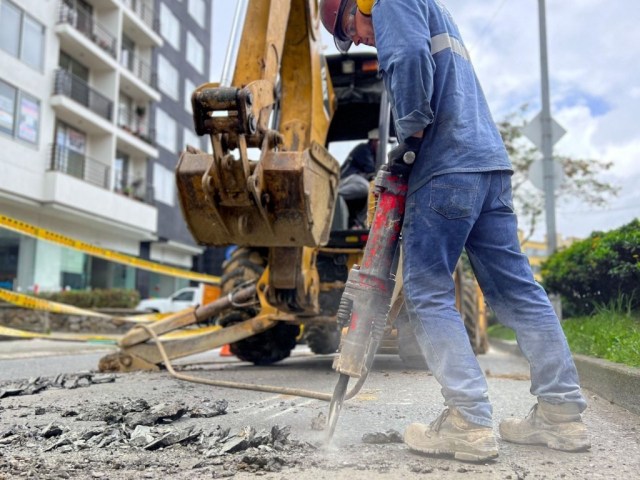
column 475, row 211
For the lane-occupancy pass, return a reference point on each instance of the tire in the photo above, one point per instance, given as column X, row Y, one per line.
column 247, row 265
column 323, row 339
column 267, row 347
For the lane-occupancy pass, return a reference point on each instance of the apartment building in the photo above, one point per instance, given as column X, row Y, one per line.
column 93, row 114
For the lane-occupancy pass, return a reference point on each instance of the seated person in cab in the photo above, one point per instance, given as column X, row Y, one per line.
column 355, row 175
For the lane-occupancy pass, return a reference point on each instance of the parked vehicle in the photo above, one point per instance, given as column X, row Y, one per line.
column 181, row 299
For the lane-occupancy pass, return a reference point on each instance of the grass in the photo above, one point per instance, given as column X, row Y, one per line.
column 612, row 333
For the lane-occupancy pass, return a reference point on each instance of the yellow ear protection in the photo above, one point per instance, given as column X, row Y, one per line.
column 365, row 6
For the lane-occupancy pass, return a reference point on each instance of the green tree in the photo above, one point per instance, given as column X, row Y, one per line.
column 603, row 269
column 582, row 176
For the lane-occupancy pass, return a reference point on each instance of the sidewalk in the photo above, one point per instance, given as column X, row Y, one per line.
column 614, row 382
column 38, row 347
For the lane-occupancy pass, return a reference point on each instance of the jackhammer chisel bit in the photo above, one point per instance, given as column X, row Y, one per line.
column 367, row 296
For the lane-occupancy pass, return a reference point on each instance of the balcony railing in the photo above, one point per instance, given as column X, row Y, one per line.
column 137, row 190
column 138, row 67
column 77, row 89
column 145, row 11
column 82, row 20
column 67, row 160
column 137, row 125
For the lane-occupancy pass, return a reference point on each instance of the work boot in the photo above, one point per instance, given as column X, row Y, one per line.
column 451, row 434
column 556, row 426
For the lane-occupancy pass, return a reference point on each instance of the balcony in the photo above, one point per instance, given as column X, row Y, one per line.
column 136, row 189
column 135, row 137
column 138, row 80
column 140, row 23
column 137, row 125
column 139, row 67
column 82, row 21
column 98, row 206
column 145, row 12
column 66, row 160
column 73, row 87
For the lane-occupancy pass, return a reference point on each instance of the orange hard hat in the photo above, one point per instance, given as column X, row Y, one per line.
column 331, row 14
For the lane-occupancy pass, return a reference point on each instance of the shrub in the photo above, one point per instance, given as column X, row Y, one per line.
column 113, row 298
column 597, row 271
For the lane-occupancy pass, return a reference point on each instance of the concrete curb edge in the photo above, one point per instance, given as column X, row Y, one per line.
column 614, row 382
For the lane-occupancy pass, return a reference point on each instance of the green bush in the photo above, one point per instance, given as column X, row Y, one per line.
column 596, row 271
column 113, row 298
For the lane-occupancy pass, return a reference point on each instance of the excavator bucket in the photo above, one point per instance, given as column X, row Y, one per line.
column 285, row 200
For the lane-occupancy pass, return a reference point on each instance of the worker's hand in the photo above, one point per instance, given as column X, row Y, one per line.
column 401, row 158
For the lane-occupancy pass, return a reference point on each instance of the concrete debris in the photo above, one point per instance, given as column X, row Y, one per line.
column 141, row 436
column 139, row 412
column 319, row 422
column 162, row 413
column 51, row 430
column 219, row 407
column 391, row 436
column 172, row 436
column 68, row 381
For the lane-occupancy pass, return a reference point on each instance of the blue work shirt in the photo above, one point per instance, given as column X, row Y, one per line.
column 433, row 88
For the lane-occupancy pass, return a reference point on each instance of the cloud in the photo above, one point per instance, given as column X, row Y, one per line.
column 594, row 64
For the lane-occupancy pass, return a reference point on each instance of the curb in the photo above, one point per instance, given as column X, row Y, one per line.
column 614, row 382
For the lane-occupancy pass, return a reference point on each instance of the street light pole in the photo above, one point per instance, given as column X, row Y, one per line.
column 547, row 140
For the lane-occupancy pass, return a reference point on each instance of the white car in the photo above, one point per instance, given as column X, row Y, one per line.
column 183, row 298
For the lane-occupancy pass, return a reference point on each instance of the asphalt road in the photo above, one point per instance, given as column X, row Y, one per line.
column 392, row 397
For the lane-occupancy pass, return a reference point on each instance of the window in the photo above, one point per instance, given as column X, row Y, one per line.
column 197, row 11
column 19, row 113
column 70, row 150
column 190, row 138
column 71, row 65
column 169, row 26
column 163, row 184
column 121, row 172
column 21, row 35
column 28, row 118
column 189, row 87
column 10, row 18
column 166, row 131
column 127, row 53
column 8, row 96
column 168, row 78
column 184, row 297
column 32, row 43
column 195, row 53
column 125, row 107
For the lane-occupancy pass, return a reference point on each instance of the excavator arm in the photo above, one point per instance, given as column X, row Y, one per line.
column 280, row 102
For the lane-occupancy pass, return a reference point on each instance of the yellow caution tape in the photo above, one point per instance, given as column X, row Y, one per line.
column 40, row 233
column 66, row 337
column 106, row 339
column 35, row 303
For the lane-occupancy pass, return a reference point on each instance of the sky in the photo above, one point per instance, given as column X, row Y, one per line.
column 594, row 73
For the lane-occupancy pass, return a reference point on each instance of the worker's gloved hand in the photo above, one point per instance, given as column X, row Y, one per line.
column 402, row 157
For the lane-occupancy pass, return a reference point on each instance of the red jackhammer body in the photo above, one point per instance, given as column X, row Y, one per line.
column 367, row 296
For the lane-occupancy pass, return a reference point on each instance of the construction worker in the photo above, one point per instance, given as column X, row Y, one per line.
column 460, row 197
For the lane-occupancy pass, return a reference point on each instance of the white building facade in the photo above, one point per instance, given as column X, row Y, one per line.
column 80, row 147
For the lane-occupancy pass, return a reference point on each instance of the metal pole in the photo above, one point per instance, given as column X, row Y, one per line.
column 547, row 141
column 229, row 66
column 383, row 129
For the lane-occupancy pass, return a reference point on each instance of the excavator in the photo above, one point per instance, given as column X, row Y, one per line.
column 270, row 188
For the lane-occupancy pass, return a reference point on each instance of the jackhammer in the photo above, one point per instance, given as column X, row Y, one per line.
column 367, row 295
